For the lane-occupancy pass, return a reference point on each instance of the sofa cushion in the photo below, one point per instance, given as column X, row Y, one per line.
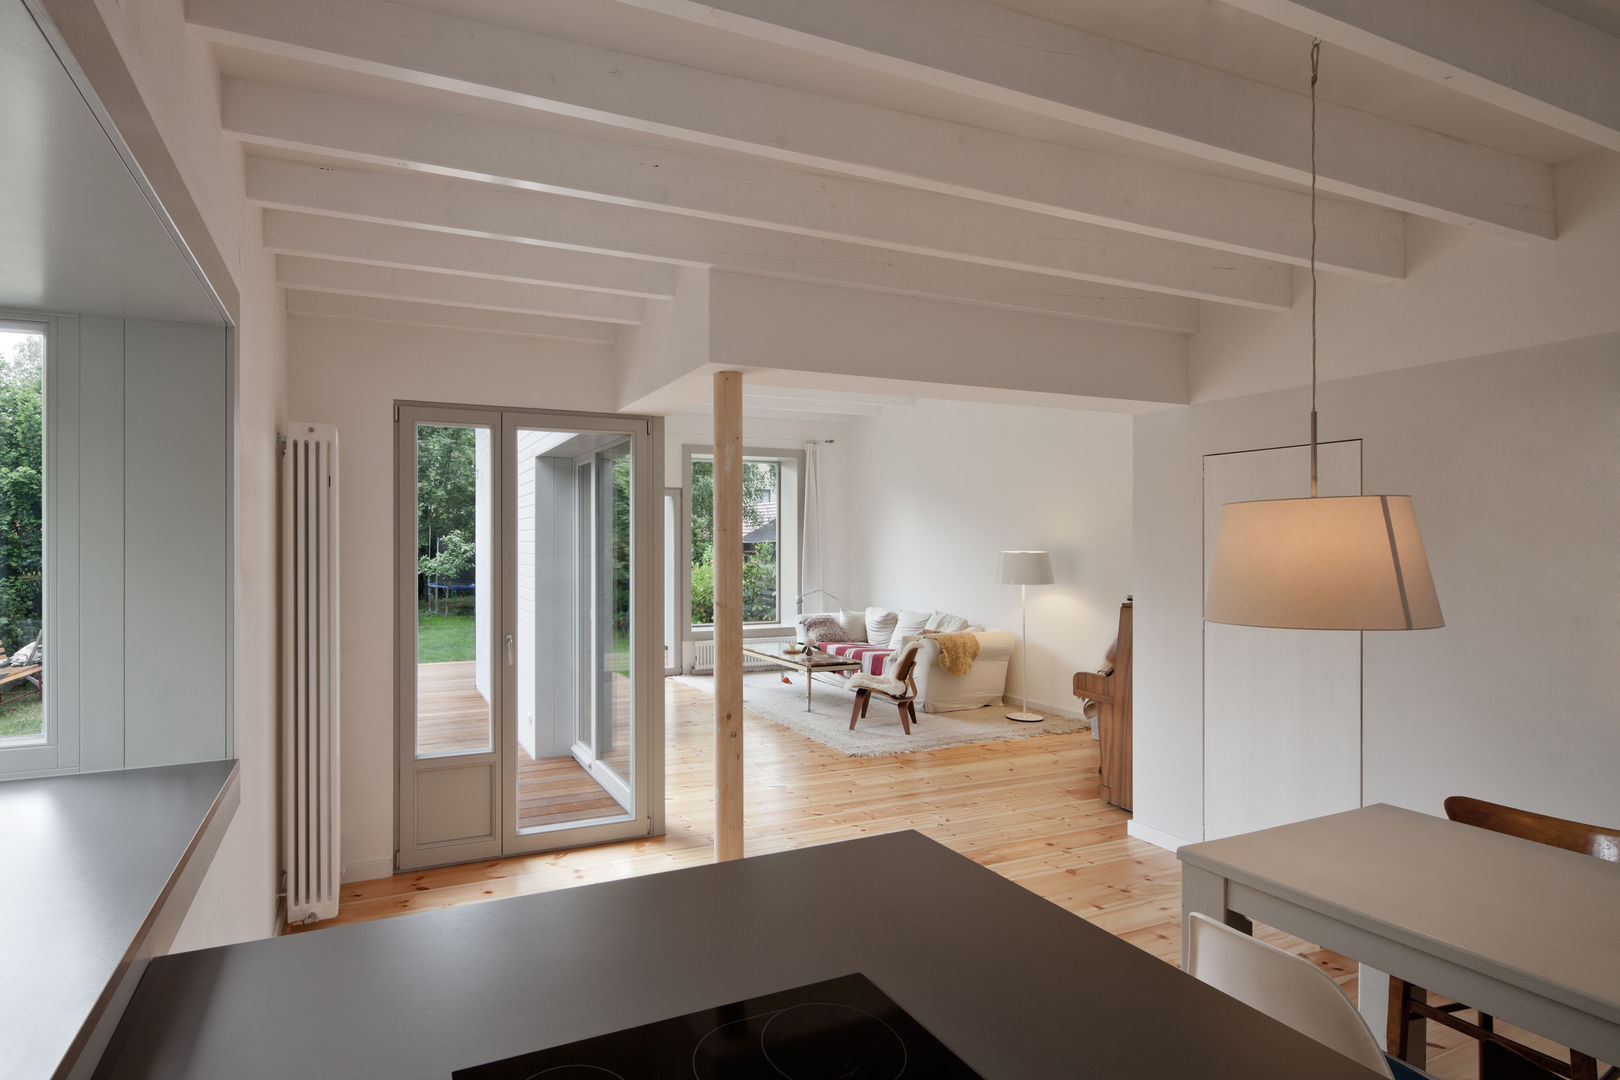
column 820, row 629
column 907, row 624
column 946, row 623
column 854, row 624
column 880, row 625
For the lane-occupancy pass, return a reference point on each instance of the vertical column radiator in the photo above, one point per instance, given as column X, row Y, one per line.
column 309, row 699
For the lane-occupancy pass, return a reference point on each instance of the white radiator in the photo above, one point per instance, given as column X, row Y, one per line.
column 309, row 619
column 703, row 662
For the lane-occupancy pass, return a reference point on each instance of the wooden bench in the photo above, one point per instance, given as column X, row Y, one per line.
column 12, row 679
column 1112, row 693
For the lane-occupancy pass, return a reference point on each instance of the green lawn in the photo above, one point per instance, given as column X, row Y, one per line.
column 443, row 638
column 25, row 716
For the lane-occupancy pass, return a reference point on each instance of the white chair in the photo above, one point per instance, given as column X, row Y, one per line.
column 1287, row 988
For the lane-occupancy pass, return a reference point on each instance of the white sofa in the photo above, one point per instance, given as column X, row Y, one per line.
column 937, row 689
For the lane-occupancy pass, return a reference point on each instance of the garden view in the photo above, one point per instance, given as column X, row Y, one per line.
column 22, row 471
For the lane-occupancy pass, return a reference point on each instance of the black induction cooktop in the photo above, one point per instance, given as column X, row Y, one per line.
column 841, row 1029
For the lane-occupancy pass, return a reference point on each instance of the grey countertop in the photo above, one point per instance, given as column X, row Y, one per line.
column 88, row 864
column 1016, row 986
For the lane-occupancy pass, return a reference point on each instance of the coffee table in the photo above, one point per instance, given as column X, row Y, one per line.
column 809, row 662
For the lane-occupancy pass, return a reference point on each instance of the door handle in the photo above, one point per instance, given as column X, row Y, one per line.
column 508, row 650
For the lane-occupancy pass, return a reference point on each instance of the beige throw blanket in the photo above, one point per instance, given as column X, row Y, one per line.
column 957, row 651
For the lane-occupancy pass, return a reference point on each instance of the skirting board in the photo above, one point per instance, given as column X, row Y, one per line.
column 1156, row 837
column 368, row 870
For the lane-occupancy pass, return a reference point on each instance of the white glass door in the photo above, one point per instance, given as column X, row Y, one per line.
column 448, row 606
column 528, row 632
column 582, row 529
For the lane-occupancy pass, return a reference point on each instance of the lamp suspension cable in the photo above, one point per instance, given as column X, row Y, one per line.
column 1316, row 56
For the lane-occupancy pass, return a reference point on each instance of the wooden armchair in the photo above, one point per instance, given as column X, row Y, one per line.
column 896, row 684
column 1409, row 1005
column 1112, row 693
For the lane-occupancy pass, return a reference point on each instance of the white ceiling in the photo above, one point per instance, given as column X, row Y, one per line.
column 1119, row 161
column 76, row 233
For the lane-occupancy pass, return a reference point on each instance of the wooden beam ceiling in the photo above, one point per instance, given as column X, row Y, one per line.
column 1518, row 55
column 557, row 221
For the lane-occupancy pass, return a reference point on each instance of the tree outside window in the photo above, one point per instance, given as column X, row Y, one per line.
column 761, row 572
column 22, row 532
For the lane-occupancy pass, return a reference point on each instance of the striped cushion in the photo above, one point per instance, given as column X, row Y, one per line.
column 872, row 658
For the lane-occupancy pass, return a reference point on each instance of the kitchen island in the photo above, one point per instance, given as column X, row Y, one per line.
column 98, row 870
column 1015, row 986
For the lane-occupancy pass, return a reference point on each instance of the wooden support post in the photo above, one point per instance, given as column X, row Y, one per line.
column 728, row 617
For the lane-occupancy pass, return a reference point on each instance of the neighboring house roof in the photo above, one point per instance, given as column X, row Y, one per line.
column 765, row 534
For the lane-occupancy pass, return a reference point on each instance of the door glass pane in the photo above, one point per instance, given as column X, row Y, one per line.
column 456, row 658
column 572, row 593
column 672, row 556
column 22, row 551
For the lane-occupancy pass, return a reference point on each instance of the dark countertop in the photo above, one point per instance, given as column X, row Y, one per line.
column 97, row 871
column 1016, row 986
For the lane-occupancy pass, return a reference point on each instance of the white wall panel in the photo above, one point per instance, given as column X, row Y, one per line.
column 176, row 547
column 1282, row 708
column 101, row 542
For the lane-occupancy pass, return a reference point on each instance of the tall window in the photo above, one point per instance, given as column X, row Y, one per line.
column 22, row 533
column 765, row 593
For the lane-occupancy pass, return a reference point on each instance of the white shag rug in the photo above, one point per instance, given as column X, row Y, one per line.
column 877, row 735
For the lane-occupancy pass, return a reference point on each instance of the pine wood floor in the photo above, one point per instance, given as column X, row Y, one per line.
column 1027, row 809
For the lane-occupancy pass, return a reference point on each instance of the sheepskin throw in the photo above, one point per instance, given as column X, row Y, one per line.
column 820, row 628
column 956, row 651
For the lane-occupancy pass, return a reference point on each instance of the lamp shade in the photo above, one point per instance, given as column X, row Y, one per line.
column 1024, row 568
column 1353, row 563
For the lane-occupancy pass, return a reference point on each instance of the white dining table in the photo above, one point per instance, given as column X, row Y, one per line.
column 1526, row 932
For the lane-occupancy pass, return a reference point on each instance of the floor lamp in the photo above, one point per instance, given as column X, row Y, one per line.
column 1024, row 568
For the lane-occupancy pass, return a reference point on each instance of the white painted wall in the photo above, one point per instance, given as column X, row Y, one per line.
column 938, row 490
column 772, row 322
column 177, row 80
column 1465, row 294
column 1512, row 462
column 350, row 373
column 236, row 900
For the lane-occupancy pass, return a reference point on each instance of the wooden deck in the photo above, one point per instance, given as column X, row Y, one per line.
column 1027, row 809
column 453, row 717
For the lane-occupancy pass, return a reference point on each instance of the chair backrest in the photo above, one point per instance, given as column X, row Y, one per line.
column 1287, row 988
column 905, row 660
column 1595, row 840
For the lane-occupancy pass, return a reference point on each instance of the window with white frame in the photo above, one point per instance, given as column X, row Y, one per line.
column 22, row 534
column 770, row 537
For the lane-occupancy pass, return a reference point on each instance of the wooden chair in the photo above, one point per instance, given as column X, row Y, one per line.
column 896, row 684
column 1409, row 1004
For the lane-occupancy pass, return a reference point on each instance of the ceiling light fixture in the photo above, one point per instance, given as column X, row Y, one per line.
column 1350, row 563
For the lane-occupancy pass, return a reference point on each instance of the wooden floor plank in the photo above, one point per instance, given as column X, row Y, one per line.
column 1027, row 809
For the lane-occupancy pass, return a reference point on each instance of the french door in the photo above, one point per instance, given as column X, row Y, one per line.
column 528, row 619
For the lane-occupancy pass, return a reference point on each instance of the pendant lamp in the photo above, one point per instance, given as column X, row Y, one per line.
column 1354, row 563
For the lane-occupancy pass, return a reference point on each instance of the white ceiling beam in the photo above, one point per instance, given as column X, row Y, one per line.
column 1518, row 55
column 419, row 249
column 530, row 217
column 738, row 192
column 635, row 94
column 993, row 53
column 372, row 309
column 387, row 282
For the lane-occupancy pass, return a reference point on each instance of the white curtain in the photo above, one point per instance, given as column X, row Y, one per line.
column 811, row 598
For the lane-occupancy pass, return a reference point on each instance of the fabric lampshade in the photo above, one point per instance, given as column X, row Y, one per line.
column 1024, row 568
column 1353, row 563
